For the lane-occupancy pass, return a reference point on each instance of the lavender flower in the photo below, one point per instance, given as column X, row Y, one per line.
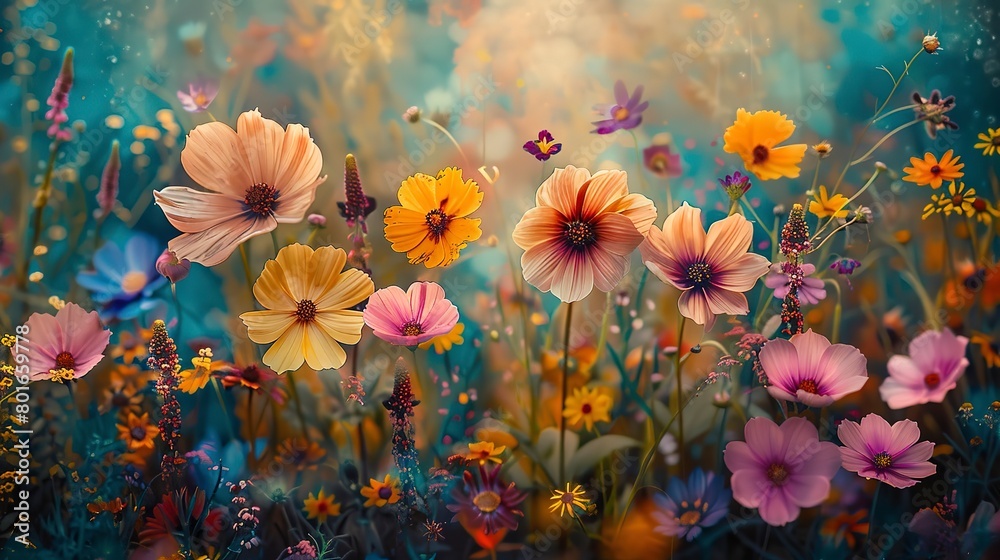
column 624, row 114
column 357, row 206
column 59, row 99
column 688, row 507
column 400, row 405
column 487, row 503
column 735, row 185
column 107, row 196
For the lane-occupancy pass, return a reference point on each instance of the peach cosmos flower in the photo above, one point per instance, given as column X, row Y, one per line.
column 713, row 269
column 581, row 232
column 260, row 176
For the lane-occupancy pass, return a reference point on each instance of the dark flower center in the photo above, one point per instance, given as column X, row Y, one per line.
column 882, row 460
column 119, row 400
column 487, row 502
column 979, row 205
column 957, row 200
column 305, row 310
column 809, row 386
column 567, row 498
column 322, row 507
column 760, row 154
column 65, row 360
column 658, row 163
column 579, row 234
column 412, row 328
column 777, row 473
column 586, row 408
column 437, row 222
column 261, row 199
column 138, row 433
column 995, row 141
column 936, row 169
column 932, row 380
column 251, row 374
column 690, row 517
column 385, row 492
column 699, row 274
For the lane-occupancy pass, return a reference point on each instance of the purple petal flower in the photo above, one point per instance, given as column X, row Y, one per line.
column 688, row 507
column 936, row 361
column 812, row 290
column 845, row 266
column 543, row 148
column 624, row 114
column 486, row 503
column 874, row 449
column 735, row 185
column 810, row 370
column 198, row 96
column 661, row 161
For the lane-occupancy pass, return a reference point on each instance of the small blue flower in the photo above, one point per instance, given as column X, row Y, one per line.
column 687, row 508
column 124, row 282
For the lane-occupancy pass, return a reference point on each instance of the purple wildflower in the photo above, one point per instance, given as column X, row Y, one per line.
column 543, row 148
column 845, row 266
column 59, row 99
column 198, row 97
column 810, row 290
column 735, row 185
column 688, row 507
column 163, row 358
column 624, row 114
column 357, row 206
column 107, row 196
column 932, row 112
column 486, row 503
column 661, row 161
column 400, row 405
column 172, row 268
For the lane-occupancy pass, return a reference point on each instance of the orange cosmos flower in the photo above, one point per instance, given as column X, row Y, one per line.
column 755, row 137
column 432, row 225
column 930, row 171
column 260, row 176
column 713, row 269
column 581, row 232
column 381, row 493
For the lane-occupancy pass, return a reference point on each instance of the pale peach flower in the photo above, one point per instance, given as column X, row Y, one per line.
column 260, row 174
column 581, row 232
column 713, row 269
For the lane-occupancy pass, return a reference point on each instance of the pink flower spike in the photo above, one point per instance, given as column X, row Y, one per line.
column 936, row 361
column 891, row 454
column 810, row 370
column 198, row 97
column 412, row 317
column 72, row 341
column 781, row 469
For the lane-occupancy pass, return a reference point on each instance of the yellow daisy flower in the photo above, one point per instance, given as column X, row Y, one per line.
column 432, row 225
column 138, row 432
column 382, row 493
column 308, row 300
column 484, row 451
column 755, row 137
column 569, row 501
column 825, row 206
column 984, row 211
column 958, row 201
column 990, row 142
column 444, row 342
column 589, row 406
column 194, row 380
column 320, row 506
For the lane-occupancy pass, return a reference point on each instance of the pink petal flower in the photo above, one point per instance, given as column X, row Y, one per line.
column 73, row 339
column 810, row 370
column 412, row 317
column 891, row 454
column 936, row 362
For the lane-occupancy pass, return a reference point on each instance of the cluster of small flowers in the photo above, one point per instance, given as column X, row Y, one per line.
column 303, row 550
column 794, row 243
column 354, row 388
column 400, row 405
column 163, row 358
column 749, row 346
column 354, row 210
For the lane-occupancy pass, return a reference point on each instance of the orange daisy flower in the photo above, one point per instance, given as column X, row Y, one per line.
column 581, row 232
column 930, row 171
column 138, row 432
column 382, row 493
column 260, row 176
column 755, row 137
column 321, row 506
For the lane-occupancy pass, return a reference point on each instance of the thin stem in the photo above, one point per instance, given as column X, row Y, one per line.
column 871, row 513
column 222, row 404
column 247, row 273
column 274, row 242
column 565, row 387
column 638, row 162
column 680, row 392
column 177, row 307
column 882, row 141
column 816, row 175
column 450, row 137
column 896, row 110
column 41, row 201
column 298, row 405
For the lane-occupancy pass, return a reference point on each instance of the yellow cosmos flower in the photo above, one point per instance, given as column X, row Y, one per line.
column 382, row 493
column 755, row 137
column 432, row 225
column 444, row 342
column 194, row 380
column 990, row 142
column 572, row 501
column 589, row 406
column 960, row 200
column 825, row 206
column 320, row 506
column 308, row 300
column 484, row 451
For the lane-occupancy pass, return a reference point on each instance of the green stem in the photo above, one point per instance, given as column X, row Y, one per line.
column 298, row 405
column 274, row 241
column 222, row 403
column 450, row 137
column 247, row 273
column 871, row 512
column 565, row 388
column 41, row 201
column 882, row 141
column 177, row 307
column 680, row 393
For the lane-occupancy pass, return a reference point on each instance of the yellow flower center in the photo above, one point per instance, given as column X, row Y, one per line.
column 882, row 460
column 201, row 99
column 487, row 502
column 133, row 281
column 305, row 310
column 777, row 473
column 544, row 145
column 261, row 199
column 437, row 222
column 579, row 234
column 620, row 114
column 412, row 328
column 760, row 154
column 809, row 386
column 690, row 517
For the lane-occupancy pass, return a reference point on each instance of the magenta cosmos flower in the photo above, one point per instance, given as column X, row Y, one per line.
column 812, row 290
column 260, row 174
column 936, row 361
column 810, row 370
column 486, row 503
column 781, row 469
column 624, row 114
column 543, row 148
column 712, row 269
column 72, row 341
column 412, row 317
column 581, row 232
column 874, row 449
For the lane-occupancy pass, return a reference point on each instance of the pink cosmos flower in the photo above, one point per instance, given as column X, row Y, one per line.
column 810, row 370
column 581, row 232
column 261, row 176
column 781, row 469
column 812, row 290
column 936, row 361
column 72, row 340
column 874, row 449
column 412, row 317
column 712, row 269
column 198, row 97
